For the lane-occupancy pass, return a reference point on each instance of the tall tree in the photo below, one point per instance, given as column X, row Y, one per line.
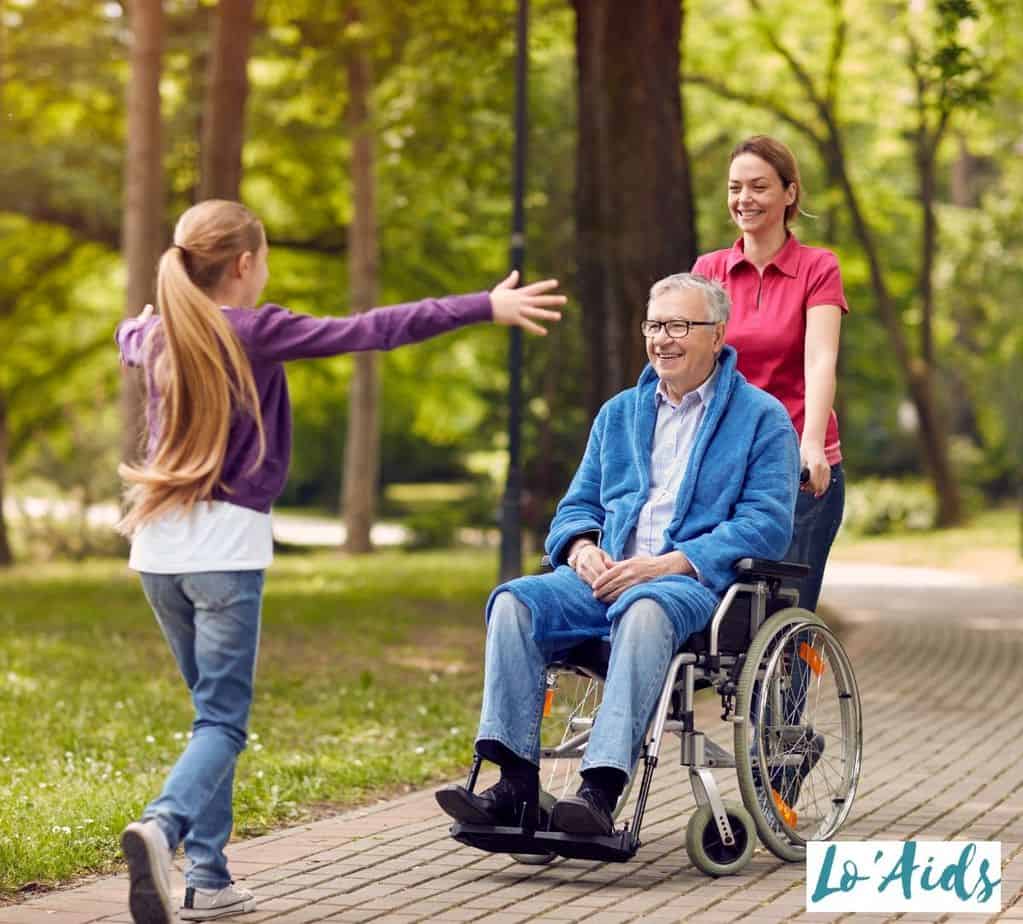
column 941, row 86
column 946, row 77
column 223, row 120
column 634, row 208
column 142, row 223
column 362, row 445
column 5, row 547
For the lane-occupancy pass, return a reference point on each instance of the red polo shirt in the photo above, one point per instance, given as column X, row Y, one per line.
column 767, row 325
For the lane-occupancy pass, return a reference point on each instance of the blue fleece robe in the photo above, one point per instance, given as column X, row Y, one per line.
column 737, row 499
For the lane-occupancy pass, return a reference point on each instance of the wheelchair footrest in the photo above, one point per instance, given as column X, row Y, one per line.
column 615, row 848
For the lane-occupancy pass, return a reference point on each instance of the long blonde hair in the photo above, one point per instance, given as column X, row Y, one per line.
column 197, row 363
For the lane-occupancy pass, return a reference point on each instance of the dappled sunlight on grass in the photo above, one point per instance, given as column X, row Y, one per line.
column 369, row 681
column 989, row 546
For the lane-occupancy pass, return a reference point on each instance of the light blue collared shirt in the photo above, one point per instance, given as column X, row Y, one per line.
column 674, row 436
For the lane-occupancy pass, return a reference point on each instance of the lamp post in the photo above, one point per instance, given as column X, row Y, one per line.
column 511, row 505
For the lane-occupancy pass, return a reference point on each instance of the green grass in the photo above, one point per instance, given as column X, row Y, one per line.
column 989, row 545
column 368, row 683
column 418, row 494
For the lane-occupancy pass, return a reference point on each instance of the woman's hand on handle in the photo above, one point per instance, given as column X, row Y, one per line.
column 524, row 307
column 814, row 460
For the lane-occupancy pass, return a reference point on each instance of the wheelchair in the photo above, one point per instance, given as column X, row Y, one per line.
column 786, row 686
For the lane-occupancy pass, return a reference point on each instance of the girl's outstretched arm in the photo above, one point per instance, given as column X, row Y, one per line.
column 274, row 334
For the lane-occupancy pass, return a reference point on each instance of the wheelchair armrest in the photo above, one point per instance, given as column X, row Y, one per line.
column 752, row 569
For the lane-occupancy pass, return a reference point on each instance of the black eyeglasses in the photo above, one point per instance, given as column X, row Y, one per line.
column 677, row 328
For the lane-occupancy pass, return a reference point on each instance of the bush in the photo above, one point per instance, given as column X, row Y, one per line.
column 882, row 505
column 435, row 528
column 435, row 513
column 65, row 532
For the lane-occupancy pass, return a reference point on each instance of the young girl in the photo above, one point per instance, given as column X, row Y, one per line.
column 787, row 307
column 199, row 508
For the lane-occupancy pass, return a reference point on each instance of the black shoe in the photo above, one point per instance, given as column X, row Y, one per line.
column 502, row 804
column 587, row 812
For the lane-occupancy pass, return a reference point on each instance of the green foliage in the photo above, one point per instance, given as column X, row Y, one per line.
column 980, row 286
column 443, row 112
column 436, row 514
column 436, row 528
column 895, row 66
column 874, row 506
column 369, row 679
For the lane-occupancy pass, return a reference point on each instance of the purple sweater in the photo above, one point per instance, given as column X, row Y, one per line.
column 272, row 335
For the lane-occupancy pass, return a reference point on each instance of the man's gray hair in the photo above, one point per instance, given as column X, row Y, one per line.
column 719, row 305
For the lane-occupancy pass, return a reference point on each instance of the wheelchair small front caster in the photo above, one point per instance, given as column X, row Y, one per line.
column 539, row 859
column 706, row 848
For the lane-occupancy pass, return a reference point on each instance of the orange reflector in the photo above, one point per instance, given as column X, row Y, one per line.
column 548, row 701
column 788, row 814
column 810, row 656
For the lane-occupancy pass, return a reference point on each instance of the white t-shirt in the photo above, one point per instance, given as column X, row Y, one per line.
column 212, row 536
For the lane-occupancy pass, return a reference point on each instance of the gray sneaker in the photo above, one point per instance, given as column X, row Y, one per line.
column 149, row 864
column 207, row 904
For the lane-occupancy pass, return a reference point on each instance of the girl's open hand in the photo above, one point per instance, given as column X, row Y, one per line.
column 524, row 307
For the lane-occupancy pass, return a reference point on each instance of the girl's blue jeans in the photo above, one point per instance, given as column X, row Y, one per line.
column 211, row 622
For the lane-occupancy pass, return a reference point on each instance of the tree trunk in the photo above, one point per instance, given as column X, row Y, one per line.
column 142, row 226
column 829, row 235
column 926, row 145
column 362, row 445
column 634, row 206
column 223, row 120
column 204, row 18
column 963, row 182
column 6, row 558
column 933, row 437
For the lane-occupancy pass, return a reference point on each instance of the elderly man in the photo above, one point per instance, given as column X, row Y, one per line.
column 684, row 474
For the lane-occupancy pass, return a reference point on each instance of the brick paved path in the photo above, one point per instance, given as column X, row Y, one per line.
column 940, row 668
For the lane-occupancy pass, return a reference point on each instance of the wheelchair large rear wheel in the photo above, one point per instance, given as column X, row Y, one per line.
column 798, row 733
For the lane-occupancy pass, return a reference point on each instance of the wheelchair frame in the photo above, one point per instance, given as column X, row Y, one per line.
column 701, row 663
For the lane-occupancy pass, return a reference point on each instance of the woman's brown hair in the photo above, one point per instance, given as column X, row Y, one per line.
column 779, row 156
column 197, row 363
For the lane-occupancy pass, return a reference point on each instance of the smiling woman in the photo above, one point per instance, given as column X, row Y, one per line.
column 787, row 307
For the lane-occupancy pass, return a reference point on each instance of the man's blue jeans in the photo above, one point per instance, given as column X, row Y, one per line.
column 642, row 644
column 816, row 525
column 211, row 622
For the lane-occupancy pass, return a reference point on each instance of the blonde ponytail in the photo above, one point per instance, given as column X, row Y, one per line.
column 198, row 365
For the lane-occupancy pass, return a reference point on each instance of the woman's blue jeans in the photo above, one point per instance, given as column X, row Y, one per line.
column 211, row 622
column 816, row 525
column 642, row 644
